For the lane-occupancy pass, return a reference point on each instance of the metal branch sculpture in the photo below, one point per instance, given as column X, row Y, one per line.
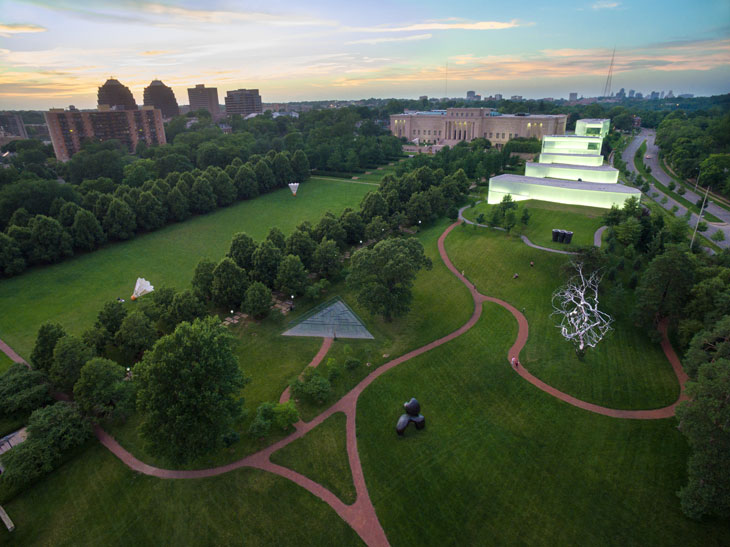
column 582, row 323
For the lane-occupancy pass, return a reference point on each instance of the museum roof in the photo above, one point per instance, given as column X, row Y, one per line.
column 571, row 166
column 568, row 184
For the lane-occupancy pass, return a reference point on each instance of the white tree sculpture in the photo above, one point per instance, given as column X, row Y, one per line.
column 577, row 304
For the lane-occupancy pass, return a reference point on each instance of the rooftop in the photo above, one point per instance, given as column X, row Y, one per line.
column 594, row 120
column 571, row 166
column 569, row 184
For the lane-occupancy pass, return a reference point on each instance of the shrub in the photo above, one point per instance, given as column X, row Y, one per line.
column 352, row 363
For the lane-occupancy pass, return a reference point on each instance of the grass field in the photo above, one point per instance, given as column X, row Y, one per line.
column 546, row 216
column 321, row 455
column 95, row 500
column 5, row 362
column 624, row 371
column 72, row 292
column 502, row 463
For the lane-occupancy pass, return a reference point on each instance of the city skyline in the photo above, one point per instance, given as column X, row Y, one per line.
column 55, row 53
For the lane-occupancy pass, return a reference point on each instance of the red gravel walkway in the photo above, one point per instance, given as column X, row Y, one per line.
column 361, row 515
column 326, row 345
column 7, row 350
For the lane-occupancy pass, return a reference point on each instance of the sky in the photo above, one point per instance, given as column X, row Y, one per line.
column 54, row 53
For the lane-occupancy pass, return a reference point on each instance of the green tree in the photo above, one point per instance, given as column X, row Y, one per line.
column 329, row 227
column 22, row 390
column 291, row 277
column 203, row 279
column 258, row 300
column 102, row 391
column 282, row 169
column 352, row 223
column 525, row 219
column 69, row 356
column 266, row 259
column 49, row 242
column 301, row 244
column 119, row 220
column 664, row 286
column 11, row 259
column 189, row 391
column 372, row 205
column 383, row 275
column 136, row 334
column 186, row 307
column 242, row 250
column 177, row 205
column 229, row 284
column 326, row 259
column 151, row 214
column 377, row 228
column 86, row 231
column 245, row 182
column 418, row 208
column 276, row 237
column 202, row 199
column 703, row 420
column 707, row 346
column 300, row 166
column 111, row 316
column 48, row 336
column 264, row 176
column 628, row 232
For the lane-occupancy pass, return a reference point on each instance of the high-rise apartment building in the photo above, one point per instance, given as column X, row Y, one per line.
column 497, row 96
column 69, row 128
column 115, row 95
column 205, row 98
column 631, row 93
column 243, row 102
column 160, row 96
column 470, row 95
column 11, row 125
column 573, row 96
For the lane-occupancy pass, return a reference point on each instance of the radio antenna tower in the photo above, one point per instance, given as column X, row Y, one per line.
column 607, row 87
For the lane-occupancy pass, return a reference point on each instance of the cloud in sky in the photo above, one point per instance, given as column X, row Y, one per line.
column 8, row 29
column 605, row 4
column 435, row 25
column 385, row 40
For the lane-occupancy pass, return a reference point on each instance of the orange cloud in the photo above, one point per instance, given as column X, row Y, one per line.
column 8, row 29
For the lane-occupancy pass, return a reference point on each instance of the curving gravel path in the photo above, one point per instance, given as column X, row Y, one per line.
column 361, row 515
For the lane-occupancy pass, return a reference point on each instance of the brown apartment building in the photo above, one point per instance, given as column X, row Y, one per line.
column 70, row 128
column 448, row 127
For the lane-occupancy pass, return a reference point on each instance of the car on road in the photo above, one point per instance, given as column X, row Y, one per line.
column 648, row 156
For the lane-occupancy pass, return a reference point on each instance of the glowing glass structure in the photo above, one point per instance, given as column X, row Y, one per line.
column 591, row 194
column 570, row 171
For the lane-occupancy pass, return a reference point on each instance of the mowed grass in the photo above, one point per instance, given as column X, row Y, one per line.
column 546, row 216
column 440, row 305
column 5, row 362
column 321, row 455
column 96, row 500
column 624, row 371
column 72, row 292
column 502, row 463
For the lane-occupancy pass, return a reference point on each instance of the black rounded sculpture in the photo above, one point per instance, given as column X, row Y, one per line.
column 413, row 409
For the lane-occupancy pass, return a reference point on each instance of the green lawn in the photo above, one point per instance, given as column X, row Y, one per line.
column 5, row 362
column 502, row 463
column 321, row 455
column 546, row 216
column 272, row 360
column 95, row 500
column 624, row 371
column 72, row 292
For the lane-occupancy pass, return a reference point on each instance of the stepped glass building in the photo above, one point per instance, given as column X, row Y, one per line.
column 115, row 95
column 451, row 126
column 160, row 96
column 570, row 170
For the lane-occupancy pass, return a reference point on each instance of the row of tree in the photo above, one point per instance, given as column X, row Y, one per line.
column 82, row 218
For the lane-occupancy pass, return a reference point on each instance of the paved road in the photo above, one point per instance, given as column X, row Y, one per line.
column 660, row 175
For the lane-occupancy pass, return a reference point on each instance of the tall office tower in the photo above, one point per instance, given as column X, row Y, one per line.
column 115, row 95
column 661, row 95
column 621, row 93
column 497, row 96
column 639, row 95
column 204, row 97
column 470, row 95
column 573, row 96
column 669, row 95
column 69, row 128
column 631, row 93
column 243, row 102
column 160, row 96
column 11, row 125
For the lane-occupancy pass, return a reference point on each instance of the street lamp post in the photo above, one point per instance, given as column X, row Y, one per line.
column 699, row 217
column 699, row 174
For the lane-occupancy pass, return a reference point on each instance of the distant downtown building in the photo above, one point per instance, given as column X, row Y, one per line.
column 115, row 95
column 69, row 128
column 160, row 96
column 205, row 98
column 243, row 102
column 448, row 127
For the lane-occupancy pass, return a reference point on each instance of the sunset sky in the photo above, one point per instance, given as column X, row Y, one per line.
column 58, row 52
